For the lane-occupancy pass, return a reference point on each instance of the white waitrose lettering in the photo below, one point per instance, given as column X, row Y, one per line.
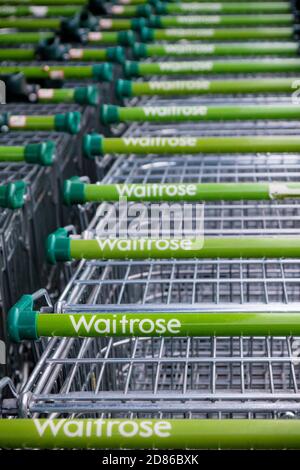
column 103, row 428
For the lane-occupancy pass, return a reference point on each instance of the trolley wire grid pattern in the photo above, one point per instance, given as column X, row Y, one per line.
column 181, row 377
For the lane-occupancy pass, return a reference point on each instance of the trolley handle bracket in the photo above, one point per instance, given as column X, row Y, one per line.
column 22, row 318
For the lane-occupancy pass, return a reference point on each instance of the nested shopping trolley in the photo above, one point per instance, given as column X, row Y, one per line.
column 133, row 386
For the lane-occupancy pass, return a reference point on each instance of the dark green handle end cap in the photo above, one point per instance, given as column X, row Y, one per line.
column 12, row 195
column 103, row 72
column 131, row 69
column 21, row 320
column 116, row 54
column 109, row 114
column 73, row 191
column 147, row 34
column 126, row 38
column 123, row 88
column 139, row 50
column 92, row 145
column 87, row 95
column 138, row 23
column 154, row 21
column 68, row 122
column 144, row 10
column 42, row 153
column 58, row 246
column 161, row 8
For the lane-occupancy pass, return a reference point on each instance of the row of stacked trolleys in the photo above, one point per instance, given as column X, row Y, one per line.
column 148, row 341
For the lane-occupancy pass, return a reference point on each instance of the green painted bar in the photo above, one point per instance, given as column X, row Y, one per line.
column 38, row 11
column 44, row 2
column 30, row 24
column 221, row 20
column 88, row 95
column 226, row 34
column 23, row 38
column 124, row 38
column 224, row 8
column 114, row 114
column 130, row 11
column 241, row 49
column 17, row 54
column 56, row 95
column 12, row 154
column 177, row 192
column 208, row 247
column 195, row 87
column 97, row 145
column 283, row 65
column 53, row 72
column 31, row 123
column 120, row 24
column 168, row 324
column 150, row 433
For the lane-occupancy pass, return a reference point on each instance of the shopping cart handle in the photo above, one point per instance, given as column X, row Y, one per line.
column 73, row 191
column 147, row 34
column 12, row 195
column 21, row 320
column 103, row 72
column 126, row 38
column 123, row 88
column 68, row 122
column 109, row 114
column 86, row 95
column 42, row 153
column 58, row 246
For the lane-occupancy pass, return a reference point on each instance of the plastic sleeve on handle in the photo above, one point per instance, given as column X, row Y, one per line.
column 12, row 195
column 41, row 153
column 74, row 191
column 58, row 246
column 86, row 95
column 123, row 88
column 68, row 122
column 103, row 72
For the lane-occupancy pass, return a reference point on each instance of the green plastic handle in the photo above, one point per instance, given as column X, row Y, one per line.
column 30, row 24
column 224, row 34
column 88, row 95
column 122, row 24
column 68, row 122
column 26, row 324
column 129, row 11
column 17, row 54
column 123, row 38
column 190, row 21
column 24, row 38
column 61, row 248
column 135, row 69
column 127, row 88
column 113, row 54
column 38, row 11
column 77, row 192
column 150, row 433
column 42, row 153
column 241, row 49
column 12, row 195
column 99, row 72
column 110, row 114
column 95, row 144
column 224, row 8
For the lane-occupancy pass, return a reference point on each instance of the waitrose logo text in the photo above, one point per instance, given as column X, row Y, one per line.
column 75, row 428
